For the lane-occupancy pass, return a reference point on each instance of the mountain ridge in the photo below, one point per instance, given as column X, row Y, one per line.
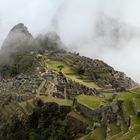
column 47, row 88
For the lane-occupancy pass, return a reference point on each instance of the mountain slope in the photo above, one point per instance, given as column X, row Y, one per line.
column 47, row 88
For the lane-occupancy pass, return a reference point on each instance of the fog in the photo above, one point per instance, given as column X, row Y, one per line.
column 85, row 26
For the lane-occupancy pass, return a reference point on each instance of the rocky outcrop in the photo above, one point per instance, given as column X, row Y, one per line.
column 18, row 41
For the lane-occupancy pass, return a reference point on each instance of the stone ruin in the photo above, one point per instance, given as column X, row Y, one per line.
column 68, row 89
column 100, row 72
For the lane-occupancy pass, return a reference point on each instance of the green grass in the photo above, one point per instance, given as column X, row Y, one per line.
column 135, row 120
column 136, row 102
column 54, row 65
column 56, row 100
column 92, row 102
column 128, row 106
column 136, row 90
column 107, row 95
column 116, row 133
column 99, row 134
column 114, row 129
column 87, row 83
column 71, row 74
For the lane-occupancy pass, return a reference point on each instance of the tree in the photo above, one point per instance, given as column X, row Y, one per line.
column 60, row 67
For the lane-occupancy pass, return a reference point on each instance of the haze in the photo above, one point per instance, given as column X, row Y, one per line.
column 75, row 22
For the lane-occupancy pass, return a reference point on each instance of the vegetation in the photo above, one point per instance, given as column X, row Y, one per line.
column 60, row 67
column 71, row 73
column 92, row 102
column 46, row 122
column 81, row 71
column 65, row 102
column 114, row 129
column 97, row 134
column 136, row 104
column 79, row 117
column 47, row 117
column 21, row 64
column 24, row 64
column 55, row 64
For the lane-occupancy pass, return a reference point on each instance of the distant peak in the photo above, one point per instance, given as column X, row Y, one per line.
column 20, row 27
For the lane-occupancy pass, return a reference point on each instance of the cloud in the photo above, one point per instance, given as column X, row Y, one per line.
column 76, row 22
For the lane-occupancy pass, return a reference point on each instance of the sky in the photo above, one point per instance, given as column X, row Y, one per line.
column 75, row 22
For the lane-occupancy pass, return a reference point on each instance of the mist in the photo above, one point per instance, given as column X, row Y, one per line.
column 103, row 29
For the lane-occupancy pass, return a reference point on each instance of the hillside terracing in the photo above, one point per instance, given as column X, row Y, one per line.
column 100, row 103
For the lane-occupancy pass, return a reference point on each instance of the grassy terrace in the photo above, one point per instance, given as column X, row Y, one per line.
column 27, row 106
column 97, row 134
column 70, row 73
column 136, row 90
column 54, row 64
column 114, row 129
column 46, row 99
column 92, row 102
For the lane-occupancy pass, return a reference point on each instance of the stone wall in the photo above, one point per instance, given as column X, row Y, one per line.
column 86, row 111
column 103, row 114
column 77, row 124
column 21, row 98
column 70, row 88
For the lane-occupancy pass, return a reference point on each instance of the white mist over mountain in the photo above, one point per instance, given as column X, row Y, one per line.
column 104, row 29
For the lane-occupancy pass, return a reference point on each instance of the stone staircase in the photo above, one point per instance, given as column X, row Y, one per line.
column 40, row 87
